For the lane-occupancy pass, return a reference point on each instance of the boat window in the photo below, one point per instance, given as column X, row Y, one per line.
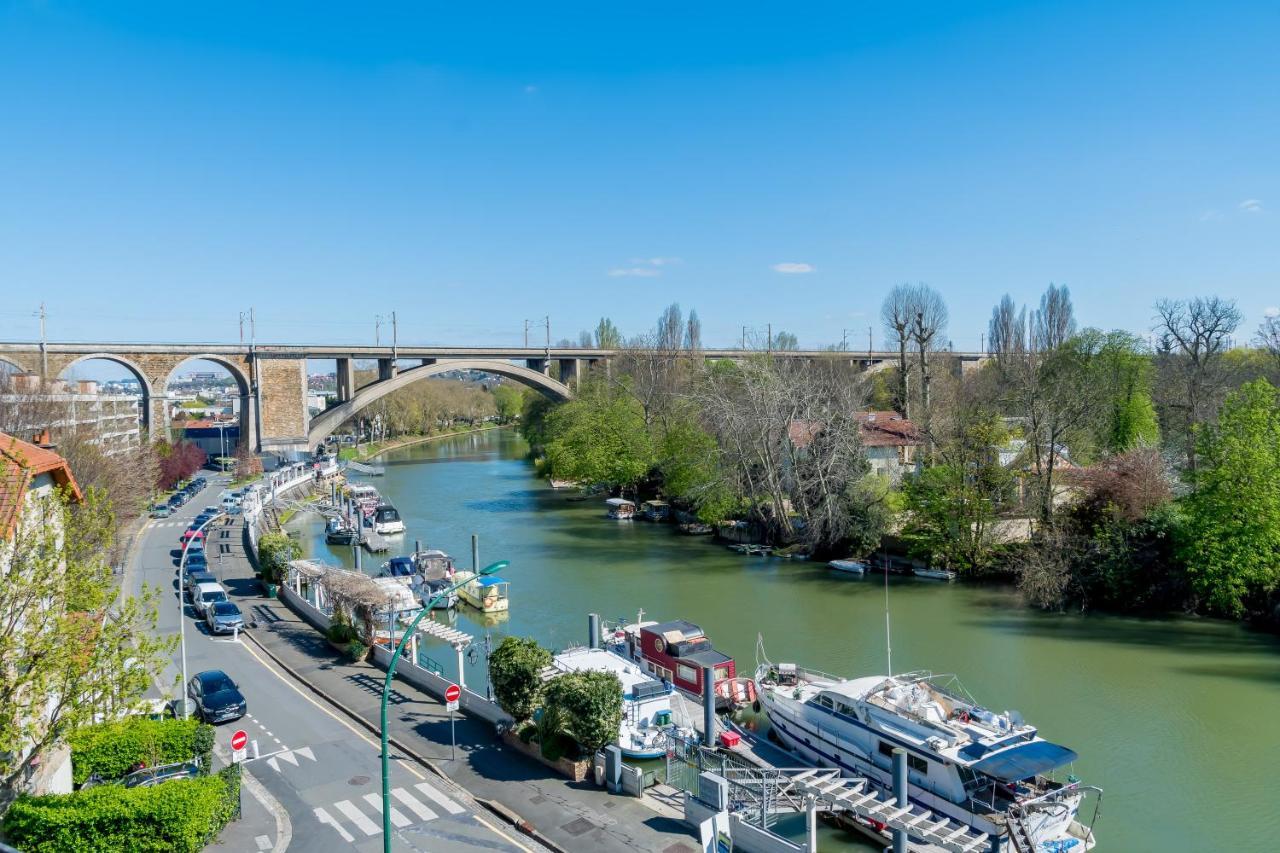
column 686, row 672
column 825, row 701
column 917, row 764
column 847, row 710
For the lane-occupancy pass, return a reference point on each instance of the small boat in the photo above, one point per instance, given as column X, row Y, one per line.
column 621, row 509
column 646, row 701
column 407, row 572
column 655, row 510
column 853, row 567
column 338, row 532
column 753, row 550
column 486, row 594
column 673, row 652
column 697, row 528
column 387, row 520
column 935, row 574
column 564, row 484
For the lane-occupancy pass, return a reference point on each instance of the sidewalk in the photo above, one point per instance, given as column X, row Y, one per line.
column 571, row 816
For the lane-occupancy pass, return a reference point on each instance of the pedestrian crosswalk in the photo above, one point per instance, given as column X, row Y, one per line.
column 362, row 815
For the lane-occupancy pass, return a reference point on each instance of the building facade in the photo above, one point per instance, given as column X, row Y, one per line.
column 112, row 422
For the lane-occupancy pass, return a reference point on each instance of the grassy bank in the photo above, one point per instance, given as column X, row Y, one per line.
column 370, row 451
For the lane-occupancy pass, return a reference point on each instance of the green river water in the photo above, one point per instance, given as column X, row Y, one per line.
column 1177, row 719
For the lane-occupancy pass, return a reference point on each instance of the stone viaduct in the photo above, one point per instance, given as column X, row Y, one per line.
column 272, row 378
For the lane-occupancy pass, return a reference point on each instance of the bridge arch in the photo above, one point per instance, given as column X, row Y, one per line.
column 243, row 389
column 323, row 424
column 146, row 404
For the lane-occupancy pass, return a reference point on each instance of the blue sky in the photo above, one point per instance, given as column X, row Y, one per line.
column 469, row 166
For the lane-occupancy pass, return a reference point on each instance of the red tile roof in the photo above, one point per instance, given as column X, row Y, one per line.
column 20, row 463
column 876, row 429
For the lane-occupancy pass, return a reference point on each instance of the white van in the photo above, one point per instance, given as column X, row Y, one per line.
column 206, row 594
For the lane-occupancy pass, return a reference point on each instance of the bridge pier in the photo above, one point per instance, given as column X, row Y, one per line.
column 346, row 379
column 570, row 371
column 386, row 369
column 540, row 365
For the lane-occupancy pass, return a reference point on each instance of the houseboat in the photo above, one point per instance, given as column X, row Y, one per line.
column 338, row 531
column 655, row 510
column 387, row 520
column 365, row 498
column 675, row 652
column 646, row 702
column 434, row 564
column 621, row 509
column 486, row 594
column 989, row 771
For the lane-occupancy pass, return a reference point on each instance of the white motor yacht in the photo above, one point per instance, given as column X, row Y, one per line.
column 990, row 771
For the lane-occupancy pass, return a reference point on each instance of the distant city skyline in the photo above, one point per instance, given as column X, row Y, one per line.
column 167, row 168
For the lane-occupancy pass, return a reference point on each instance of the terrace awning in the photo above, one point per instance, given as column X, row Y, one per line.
column 1024, row 760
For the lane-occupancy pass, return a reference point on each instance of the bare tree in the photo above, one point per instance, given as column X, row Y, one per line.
column 1007, row 331
column 898, row 314
column 1268, row 338
column 585, row 339
column 1193, row 336
column 671, row 330
column 1055, row 323
column 693, row 333
column 929, row 319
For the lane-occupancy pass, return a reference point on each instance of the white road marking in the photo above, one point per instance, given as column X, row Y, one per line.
column 263, row 842
column 305, row 752
column 288, row 756
column 324, row 817
column 439, row 799
column 397, row 818
column 273, row 764
column 413, row 804
column 357, row 817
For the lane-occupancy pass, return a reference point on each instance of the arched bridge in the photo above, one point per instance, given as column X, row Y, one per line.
column 272, row 378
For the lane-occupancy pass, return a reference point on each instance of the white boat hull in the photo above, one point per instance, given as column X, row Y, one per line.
column 853, row 567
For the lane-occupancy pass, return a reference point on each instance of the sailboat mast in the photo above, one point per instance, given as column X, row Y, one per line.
column 888, row 645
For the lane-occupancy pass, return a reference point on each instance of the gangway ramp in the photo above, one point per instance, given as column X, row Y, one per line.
column 367, row 470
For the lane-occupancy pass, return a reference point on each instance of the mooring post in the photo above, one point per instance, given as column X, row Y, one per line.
column 709, row 706
column 900, row 794
column 593, row 630
column 356, row 548
column 475, row 553
column 417, row 547
column 811, row 822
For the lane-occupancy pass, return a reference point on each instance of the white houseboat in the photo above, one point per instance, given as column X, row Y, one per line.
column 621, row 509
column 646, row 702
column 988, row 771
column 488, row 594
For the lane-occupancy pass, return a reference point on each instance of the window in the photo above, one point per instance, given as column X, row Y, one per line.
column 722, row 672
column 686, row 672
column 824, row 701
column 847, row 710
column 914, row 762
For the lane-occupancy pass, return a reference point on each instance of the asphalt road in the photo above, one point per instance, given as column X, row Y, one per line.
column 314, row 764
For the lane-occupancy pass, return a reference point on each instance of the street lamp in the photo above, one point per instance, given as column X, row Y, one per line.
column 182, row 607
column 386, row 691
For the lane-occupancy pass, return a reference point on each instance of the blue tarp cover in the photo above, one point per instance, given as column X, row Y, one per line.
column 1025, row 760
column 490, row 581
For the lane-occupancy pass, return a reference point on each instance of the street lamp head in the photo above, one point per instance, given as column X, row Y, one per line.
column 495, row 567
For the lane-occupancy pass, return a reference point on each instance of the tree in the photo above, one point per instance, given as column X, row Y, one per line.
column 928, row 321
column 1268, row 338
column 70, row 647
column 275, row 552
column 600, row 436
column 1124, row 374
column 693, row 333
column 1007, row 331
column 786, row 342
column 515, row 671
column 1231, row 539
column 589, row 704
column 1055, row 322
column 607, row 335
column 247, row 462
column 585, row 339
column 1193, row 336
column 898, row 314
column 689, row 460
column 510, row 402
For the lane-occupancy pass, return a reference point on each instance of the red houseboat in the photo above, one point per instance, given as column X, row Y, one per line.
column 676, row 652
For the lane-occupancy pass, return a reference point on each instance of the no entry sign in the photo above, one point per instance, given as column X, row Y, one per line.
column 452, row 693
column 239, row 740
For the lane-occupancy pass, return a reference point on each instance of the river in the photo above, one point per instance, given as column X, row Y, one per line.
column 1178, row 719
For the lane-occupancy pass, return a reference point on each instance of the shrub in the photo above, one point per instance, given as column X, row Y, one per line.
column 341, row 633
column 357, row 650
column 515, row 671
column 590, row 706
column 179, row 816
column 275, row 550
column 112, row 749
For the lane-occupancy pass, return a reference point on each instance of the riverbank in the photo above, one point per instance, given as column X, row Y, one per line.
column 380, row 447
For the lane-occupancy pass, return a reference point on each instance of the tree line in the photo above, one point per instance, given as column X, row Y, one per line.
column 1094, row 467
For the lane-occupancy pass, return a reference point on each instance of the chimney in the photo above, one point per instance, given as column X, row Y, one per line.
column 41, row 439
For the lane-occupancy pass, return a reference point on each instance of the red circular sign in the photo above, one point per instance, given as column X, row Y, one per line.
column 452, row 693
column 239, row 739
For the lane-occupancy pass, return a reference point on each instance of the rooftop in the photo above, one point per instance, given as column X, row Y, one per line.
column 20, row 463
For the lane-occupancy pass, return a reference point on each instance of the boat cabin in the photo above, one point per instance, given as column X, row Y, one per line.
column 386, row 519
column 677, row 651
column 655, row 510
column 434, row 564
column 621, row 508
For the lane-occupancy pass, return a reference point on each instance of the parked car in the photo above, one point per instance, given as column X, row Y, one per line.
column 216, row 696
column 206, row 594
column 148, row 777
column 197, row 562
column 176, row 500
column 161, row 511
column 194, row 545
column 211, row 510
column 196, row 578
column 192, row 534
column 223, row 617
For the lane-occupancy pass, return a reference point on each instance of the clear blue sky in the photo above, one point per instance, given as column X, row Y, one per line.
column 163, row 167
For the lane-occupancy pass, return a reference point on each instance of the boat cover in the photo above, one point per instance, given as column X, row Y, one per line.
column 1025, row 760
column 400, row 567
column 491, row 581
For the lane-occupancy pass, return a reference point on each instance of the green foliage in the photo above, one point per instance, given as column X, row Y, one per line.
column 1123, row 372
column 113, row 749
column 552, row 733
column 607, row 334
column 357, row 650
column 599, row 437
column 1231, row 539
column 510, row 402
column 867, row 502
column 589, row 704
column 515, row 669
column 533, row 420
column 688, row 459
column 173, row 817
column 340, row 632
column 275, row 551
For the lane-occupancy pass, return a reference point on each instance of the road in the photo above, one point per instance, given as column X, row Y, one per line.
column 314, row 764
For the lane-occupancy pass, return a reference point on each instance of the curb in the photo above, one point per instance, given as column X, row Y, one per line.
column 498, row 809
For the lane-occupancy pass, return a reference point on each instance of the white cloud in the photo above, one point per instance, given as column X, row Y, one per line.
column 641, row 272
column 1251, row 205
column 1271, row 311
column 657, row 262
column 790, row 268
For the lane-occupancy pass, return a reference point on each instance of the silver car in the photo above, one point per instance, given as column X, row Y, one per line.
column 223, row 617
column 206, row 595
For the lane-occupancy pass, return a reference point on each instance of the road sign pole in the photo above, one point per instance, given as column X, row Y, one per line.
column 453, row 738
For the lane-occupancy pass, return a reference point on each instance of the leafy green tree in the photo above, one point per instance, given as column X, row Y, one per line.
column 600, row 437
column 1124, row 371
column 1231, row 538
column 533, row 420
column 607, row 334
column 84, row 650
column 510, row 402
column 275, row 551
column 688, row 459
column 515, row 671
column 589, row 704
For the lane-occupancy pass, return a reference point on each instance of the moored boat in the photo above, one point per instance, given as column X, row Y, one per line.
column 674, row 652
column 991, row 772
column 853, row 567
column 655, row 510
column 408, row 572
column 646, row 703
column 934, row 574
column 387, row 520
column 486, row 594
column 337, row 531
column 621, row 509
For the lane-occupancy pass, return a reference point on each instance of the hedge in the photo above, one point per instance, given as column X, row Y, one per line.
column 113, row 749
column 173, row 817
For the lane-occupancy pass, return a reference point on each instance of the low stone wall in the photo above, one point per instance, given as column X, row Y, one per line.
column 575, row 770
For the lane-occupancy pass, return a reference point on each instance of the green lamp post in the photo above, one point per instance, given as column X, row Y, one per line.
column 386, row 693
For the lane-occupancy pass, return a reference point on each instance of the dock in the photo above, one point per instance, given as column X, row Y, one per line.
column 373, row 542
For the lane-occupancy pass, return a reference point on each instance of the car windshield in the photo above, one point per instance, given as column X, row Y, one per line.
column 225, row 608
column 214, row 596
column 216, row 682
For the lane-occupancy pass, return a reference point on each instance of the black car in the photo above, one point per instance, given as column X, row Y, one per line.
column 216, row 696
column 195, row 577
